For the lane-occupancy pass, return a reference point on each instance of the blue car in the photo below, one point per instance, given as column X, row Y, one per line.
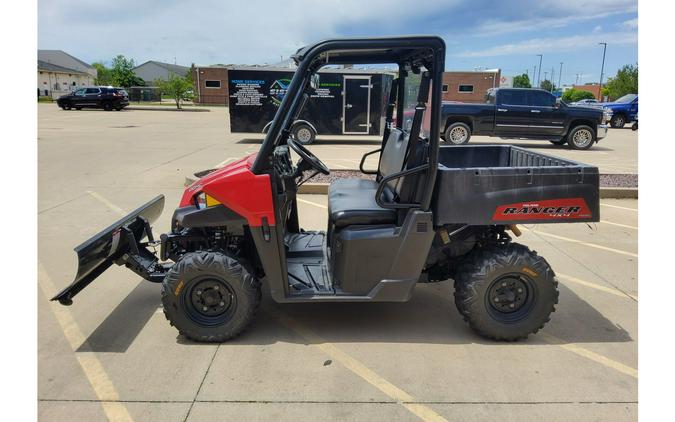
column 624, row 109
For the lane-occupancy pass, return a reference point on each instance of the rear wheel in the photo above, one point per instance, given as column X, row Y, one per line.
column 505, row 292
column 304, row 134
column 209, row 297
column 618, row 121
column 457, row 133
column 581, row 137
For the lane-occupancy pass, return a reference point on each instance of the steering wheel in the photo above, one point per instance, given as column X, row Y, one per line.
column 308, row 157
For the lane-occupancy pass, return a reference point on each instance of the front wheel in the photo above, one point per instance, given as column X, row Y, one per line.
column 617, row 121
column 581, row 137
column 209, row 297
column 505, row 292
column 457, row 133
column 107, row 106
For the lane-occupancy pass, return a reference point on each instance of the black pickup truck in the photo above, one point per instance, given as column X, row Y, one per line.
column 526, row 114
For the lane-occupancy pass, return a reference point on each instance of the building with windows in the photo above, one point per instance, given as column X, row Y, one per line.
column 471, row 86
column 60, row 73
column 211, row 85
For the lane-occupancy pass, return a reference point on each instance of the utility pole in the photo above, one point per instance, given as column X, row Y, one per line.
column 602, row 69
column 552, row 78
column 541, row 56
column 560, row 75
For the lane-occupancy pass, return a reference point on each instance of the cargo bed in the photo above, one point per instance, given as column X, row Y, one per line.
column 503, row 184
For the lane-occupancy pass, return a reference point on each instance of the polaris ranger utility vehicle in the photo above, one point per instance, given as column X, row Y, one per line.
column 431, row 214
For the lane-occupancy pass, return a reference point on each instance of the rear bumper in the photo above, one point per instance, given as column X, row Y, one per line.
column 601, row 132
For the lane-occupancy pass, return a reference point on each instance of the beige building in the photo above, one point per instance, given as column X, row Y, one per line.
column 60, row 73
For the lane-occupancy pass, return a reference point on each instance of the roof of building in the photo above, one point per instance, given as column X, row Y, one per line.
column 174, row 68
column 50, row 67
column 43, row 55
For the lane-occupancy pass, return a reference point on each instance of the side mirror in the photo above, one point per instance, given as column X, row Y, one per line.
column 314, row 81
column 557, row 103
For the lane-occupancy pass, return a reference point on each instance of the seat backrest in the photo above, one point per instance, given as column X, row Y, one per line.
column 393, row 155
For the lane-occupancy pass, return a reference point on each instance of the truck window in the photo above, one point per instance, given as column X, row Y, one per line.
column 513, row 97
column 541, row 99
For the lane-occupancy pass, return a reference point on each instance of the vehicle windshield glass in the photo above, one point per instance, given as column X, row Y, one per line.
column 626, row 98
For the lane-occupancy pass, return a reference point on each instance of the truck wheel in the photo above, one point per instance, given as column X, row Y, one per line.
column 581, row 137
column 505, row 292
column 304, row 134
column 107, row 106
column 457, row 133
column 617, row 121
column 209, row 297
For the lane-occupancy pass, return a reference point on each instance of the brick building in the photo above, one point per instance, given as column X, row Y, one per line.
column 469, row 87
column 211, row 85
column 593, row 88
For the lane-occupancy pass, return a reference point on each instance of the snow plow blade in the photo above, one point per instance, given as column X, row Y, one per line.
column 121, row 239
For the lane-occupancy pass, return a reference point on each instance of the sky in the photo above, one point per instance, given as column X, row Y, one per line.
column 478, row 33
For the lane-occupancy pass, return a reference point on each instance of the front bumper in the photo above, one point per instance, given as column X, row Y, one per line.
column 601, row 131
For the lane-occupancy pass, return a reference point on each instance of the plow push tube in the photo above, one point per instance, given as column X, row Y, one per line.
column 120, row 242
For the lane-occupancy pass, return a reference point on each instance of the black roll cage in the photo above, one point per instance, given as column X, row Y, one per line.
column 409, row 52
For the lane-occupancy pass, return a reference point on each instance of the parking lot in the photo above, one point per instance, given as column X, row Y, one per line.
column 112, row 355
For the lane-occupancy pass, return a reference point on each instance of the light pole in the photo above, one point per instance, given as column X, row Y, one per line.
column 560, row 75
column 534, row 75
column 541, row 56
column 602, row 69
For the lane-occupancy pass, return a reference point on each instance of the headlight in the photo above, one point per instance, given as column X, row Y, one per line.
column 607, row 114
column 202, row 200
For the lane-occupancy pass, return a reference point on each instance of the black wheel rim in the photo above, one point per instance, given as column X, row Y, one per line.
column 511, row 297
column 210, row 301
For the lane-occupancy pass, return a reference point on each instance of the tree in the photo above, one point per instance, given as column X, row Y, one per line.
column 522, row 81
column 572, row 95
column 547, row 85
column 177, row 87
column 122, row 73
column 625, row 82
column 103, row 75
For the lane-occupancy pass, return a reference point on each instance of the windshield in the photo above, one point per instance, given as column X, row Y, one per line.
column 628, row 98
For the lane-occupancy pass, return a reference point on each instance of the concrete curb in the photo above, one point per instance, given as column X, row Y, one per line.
column 619, row 193
column 168, row 108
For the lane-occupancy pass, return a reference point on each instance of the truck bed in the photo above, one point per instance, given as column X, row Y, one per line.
column 503, row 184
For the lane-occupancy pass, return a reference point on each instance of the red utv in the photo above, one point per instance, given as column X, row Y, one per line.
column 432, row 213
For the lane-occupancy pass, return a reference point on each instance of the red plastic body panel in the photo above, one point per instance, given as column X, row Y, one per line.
column 554, row 209
column 236, row 187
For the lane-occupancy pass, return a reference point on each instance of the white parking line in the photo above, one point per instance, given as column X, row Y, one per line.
column 371, row 377
column 580, row 242
column 311, row 203
column 107, row 203
column 595, row 357
column 596, row 286
column 625, row 226
column 618, row 207
column 91, row 366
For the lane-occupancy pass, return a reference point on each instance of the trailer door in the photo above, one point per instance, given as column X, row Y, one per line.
column 356, row 105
